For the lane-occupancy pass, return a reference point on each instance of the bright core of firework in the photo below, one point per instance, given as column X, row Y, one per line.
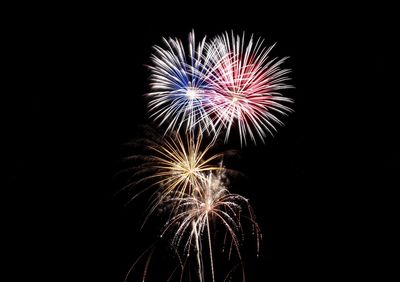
column 193, row 93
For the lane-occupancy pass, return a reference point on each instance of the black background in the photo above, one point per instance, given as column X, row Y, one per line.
column 316, row 187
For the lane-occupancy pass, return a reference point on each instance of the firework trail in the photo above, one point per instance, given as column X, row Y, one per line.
column 246, row 85
column 179, row 89
column 209, row 202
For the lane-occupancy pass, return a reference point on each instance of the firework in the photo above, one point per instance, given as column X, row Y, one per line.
column 246, row 85
column 227, row 84
column 175, row 165
column 179, row 89
column 209, row 202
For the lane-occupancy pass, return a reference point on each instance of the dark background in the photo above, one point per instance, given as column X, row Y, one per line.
column 319, row 187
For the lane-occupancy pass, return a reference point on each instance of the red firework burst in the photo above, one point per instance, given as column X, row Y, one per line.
column 246, row 84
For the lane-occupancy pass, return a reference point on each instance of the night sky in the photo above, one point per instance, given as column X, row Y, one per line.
column 82, row 100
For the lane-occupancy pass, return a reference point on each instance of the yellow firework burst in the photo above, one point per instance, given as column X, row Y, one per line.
column 174, row 165
column 180, row 163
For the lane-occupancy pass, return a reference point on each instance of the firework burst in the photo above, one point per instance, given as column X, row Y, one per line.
column 179, row 89
column 174, row 165
column 246, row 85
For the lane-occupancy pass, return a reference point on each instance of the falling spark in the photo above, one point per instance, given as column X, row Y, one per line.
column 209, row 202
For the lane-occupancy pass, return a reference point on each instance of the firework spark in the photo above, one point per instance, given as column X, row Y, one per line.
column 179, row 90
column 246, row 85
column 209, row 202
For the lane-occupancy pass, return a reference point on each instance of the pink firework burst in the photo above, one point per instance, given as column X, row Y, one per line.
column 246, row 84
